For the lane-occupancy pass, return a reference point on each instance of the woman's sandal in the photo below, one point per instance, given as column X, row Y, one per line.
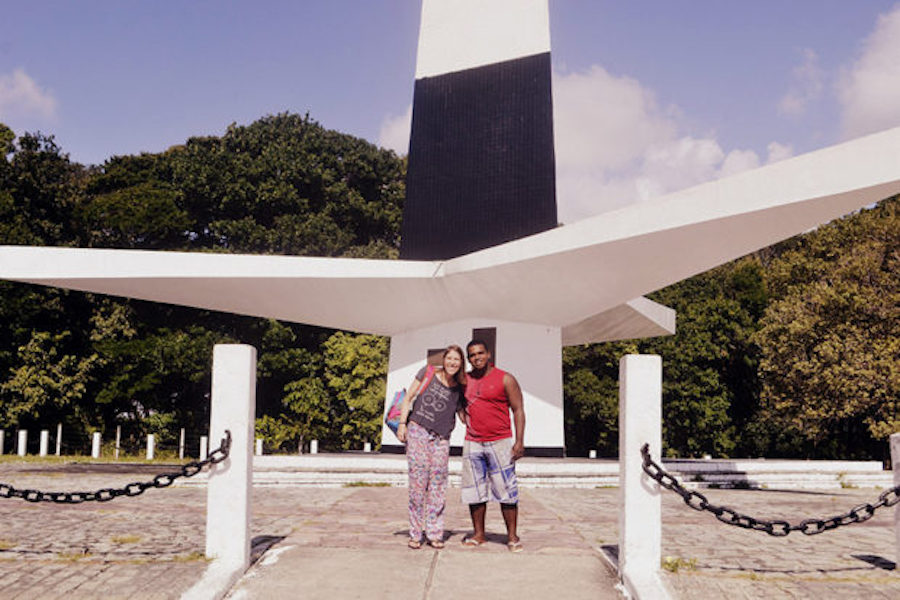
column 414, row 544
column 436, row 544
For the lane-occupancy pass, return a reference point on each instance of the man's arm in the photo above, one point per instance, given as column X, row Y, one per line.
column 514, row 394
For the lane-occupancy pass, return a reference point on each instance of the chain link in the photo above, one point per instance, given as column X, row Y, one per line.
column 776, row 528
column 132, row 489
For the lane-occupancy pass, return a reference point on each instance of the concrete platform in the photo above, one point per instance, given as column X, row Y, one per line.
column 336, row 470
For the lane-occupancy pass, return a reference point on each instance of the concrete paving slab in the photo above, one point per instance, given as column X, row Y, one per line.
column 151, row 546
column 312, row 573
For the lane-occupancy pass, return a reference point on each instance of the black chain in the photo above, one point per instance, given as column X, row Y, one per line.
column 729, row 516
column 132, row 489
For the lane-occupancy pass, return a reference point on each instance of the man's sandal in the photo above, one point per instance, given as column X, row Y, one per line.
column 515, row 546
column 471, row 542
column 414, row 544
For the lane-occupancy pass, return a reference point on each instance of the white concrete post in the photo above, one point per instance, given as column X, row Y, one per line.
column 45, row 442
column 118, row 440
column 23, row 442
column 314, row 447
column 640, row 509
column 95, row 445
column 895, row 465
column 181, row 445
column 228, row 490
column 592, row 454
column 2, row 441
column 204, row 447
column 58, row 438
column 151, row 446
column 367, row 447
column 259, row 446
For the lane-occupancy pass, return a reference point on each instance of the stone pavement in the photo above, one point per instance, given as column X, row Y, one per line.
column 350, row 543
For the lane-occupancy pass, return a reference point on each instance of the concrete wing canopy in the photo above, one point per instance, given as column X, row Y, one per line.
column 586, row 278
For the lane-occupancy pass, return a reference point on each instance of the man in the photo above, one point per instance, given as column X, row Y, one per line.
column 489, row 452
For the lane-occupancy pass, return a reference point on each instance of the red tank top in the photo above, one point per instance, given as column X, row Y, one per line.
column 488, row 408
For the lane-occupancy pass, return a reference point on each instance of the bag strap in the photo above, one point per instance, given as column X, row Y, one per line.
column 429, row 375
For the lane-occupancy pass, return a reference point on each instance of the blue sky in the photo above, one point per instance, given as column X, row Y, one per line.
column 650, row 96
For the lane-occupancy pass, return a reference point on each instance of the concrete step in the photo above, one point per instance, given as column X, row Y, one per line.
column 337, row 470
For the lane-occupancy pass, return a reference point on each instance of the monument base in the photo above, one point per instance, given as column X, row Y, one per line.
column 542, row 452
column 532, row 353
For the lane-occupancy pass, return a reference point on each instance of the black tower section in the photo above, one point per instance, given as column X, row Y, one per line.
column 481, row 166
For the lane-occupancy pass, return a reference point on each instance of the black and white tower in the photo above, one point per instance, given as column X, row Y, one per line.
column 481, row 164
column 481, row 173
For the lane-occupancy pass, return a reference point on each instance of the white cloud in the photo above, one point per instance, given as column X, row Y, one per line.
column 603, row 120
column 616, row 145
column 737, row 161
column 806, row 85
column 869, row 90
column 778, row 152
column 22, row 97
column 394, row 132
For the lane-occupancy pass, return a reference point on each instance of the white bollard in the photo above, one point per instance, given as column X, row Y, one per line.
column 118, row 440
column 640, row 507
column 58, row 438
column 228, row 488
column 45, row 442
column 95, row 445
column 151, row 446
column 895, row 465
column 2, row 442
column 259, row 446
column 181, row 445
column 23, row 442
column 228, row 491
column 204, row 447
column 314, row 447
column 592, row 454
column 367, row 447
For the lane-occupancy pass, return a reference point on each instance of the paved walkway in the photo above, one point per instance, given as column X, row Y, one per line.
column 350, row 543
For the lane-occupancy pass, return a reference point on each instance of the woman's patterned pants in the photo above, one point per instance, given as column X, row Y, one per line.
column 428, row 456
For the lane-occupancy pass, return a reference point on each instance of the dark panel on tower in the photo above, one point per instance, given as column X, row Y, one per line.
column 481, row 164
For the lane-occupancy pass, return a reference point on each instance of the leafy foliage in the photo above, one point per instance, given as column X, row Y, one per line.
column 281, row 185
column 831, row 339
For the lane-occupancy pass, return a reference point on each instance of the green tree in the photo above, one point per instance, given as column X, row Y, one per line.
column 591, row 397
column 831, row 339
column 355, row 372
column 48, row 386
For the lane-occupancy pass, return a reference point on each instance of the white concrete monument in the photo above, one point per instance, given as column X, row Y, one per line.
column 555, row 286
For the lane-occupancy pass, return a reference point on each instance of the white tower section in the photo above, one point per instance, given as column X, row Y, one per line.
column 455, row 35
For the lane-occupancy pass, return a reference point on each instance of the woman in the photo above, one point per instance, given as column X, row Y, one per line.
column 427, row 439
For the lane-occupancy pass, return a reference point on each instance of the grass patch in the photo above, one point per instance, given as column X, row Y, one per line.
column 6, row 544
column 125, row 539
column 52, row 459
column 354, row 484
column 191, row 557
column 73, row 556
column 673, row 564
